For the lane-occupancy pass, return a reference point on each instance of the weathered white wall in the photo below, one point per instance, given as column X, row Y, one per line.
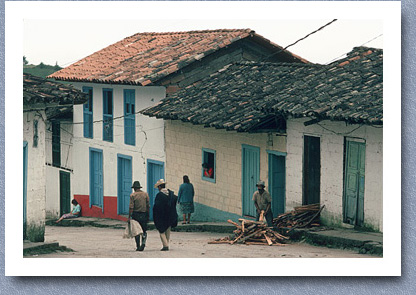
column 184, row 143
column 149, row 138
column 332, row 157
column 36, row 176
column 52, row 173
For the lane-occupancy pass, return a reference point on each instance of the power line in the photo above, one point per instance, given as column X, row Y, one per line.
column 303, row 38
column 349, row 51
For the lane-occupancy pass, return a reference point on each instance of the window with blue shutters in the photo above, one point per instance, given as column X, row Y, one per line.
column 129, row 117
column 108, row 114
column 88, row 121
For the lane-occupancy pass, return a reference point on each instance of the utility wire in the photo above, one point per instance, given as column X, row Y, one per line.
column 349, row 51
column 317, row 30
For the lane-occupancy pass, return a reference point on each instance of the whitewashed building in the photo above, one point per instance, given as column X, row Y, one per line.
column 45, row 105
column 113, row 145
column 313, row 133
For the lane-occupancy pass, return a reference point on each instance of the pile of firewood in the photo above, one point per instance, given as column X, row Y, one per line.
column 250, row 232
column 302, row 216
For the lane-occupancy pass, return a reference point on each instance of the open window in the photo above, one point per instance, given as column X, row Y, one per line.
column 208, row 165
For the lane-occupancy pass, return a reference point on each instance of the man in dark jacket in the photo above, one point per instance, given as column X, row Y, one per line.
column 162, row 213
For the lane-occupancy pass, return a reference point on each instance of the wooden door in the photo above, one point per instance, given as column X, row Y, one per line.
column 311, row 170
column 354, row 182
column 124, row 182
column 64, row 192
column 96, row 178
column 250, row 176
column 277, row 183
column 24, row 188
column 155, row 171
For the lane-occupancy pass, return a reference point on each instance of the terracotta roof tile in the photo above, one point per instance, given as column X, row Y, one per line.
column 151, row 56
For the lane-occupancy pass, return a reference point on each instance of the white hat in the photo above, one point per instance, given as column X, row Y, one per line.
column 159, row 182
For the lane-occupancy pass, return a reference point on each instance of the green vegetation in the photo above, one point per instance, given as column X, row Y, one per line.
column 40, row 70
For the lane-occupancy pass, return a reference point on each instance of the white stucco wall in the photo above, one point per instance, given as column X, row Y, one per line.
column 52, row 173
column 184, row 143
column 332, row 157
column 36, row 175
column 149, row 138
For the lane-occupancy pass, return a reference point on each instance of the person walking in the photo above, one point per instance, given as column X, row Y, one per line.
column 186, row 195
column 263, row 202
column 162, row 213
column 139, row 209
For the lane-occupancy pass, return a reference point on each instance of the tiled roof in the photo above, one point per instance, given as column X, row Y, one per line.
column 144, row 58
column 242, row 95
column 39, row 91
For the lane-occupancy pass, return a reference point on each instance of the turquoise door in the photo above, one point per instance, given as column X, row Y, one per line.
column 277, row 182
column 96, row 178
column 124, row 182
column 354, row 183
column 64, row 192
column 24, row 188
column 155, row 171
column 250, row 176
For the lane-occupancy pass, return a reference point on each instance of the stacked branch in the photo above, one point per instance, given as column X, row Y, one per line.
column 252, row 232
column 300, row 217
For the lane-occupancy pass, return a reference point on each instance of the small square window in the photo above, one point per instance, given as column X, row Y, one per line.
column 208, row 165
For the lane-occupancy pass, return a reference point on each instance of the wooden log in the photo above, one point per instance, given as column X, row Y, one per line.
column 250, row 235
column 234, row 223
column 236, row 239
column 268, row 239
column 247, row 221
column 219, row 242
column 242, row 226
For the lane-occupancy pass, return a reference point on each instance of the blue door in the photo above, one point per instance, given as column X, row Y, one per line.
column 277, row 181
column 155, row 171
column 96, row 178
column 24, row 188
column 124, row 182
column 250, row 176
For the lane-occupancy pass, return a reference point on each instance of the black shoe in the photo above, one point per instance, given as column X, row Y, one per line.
column 165, row 249
column 141, row 247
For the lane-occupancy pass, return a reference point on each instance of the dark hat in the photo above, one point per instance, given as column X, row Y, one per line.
column 260, row 183
column 136, row 184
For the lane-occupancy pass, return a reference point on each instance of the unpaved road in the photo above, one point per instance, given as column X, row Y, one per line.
column 94, row 242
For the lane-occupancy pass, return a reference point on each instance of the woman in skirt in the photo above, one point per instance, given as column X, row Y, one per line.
column 186, row 199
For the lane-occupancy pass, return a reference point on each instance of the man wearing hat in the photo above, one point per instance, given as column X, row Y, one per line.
column 263, row 201
column 139, row 210
column 161, row 213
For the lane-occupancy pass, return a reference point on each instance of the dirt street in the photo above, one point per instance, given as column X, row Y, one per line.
column 91, row 242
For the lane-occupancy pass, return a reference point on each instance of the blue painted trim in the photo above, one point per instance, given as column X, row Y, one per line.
column 91, row 149
column 131, row 132
column 86, row 89
column 213, row 180
column 277, row 153
column 130, row 158
column 112, row 113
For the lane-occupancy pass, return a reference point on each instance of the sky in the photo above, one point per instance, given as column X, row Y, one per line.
column 65, row 41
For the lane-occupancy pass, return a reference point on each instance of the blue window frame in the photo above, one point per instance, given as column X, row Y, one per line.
column 208, row 165
column 129, row 117
column 88, row 121
column 108, row 114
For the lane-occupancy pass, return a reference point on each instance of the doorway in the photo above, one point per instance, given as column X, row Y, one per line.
column 155, row 171
column 64, row 192
column 277, row 181
column 250, row 176
column 311, row 170
column 124, row 182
